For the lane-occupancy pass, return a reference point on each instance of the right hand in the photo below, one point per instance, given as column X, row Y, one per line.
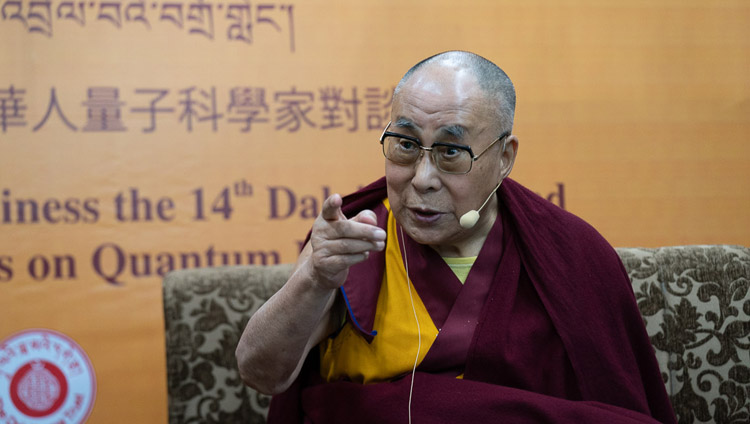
column 338, row 243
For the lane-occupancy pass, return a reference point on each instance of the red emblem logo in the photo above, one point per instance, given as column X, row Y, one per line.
column 45, row 377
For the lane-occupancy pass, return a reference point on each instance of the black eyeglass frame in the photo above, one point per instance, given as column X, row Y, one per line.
column 422, row 148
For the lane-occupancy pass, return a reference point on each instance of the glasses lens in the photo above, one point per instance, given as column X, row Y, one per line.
column 400, row 150
column 451, row 159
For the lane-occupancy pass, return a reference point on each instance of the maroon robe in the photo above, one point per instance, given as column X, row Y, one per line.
column 553, row 336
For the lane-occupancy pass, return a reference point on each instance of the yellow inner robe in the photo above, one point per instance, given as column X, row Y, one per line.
column 393, row 350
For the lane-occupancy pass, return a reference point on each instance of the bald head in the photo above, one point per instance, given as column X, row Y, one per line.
column 493, row 82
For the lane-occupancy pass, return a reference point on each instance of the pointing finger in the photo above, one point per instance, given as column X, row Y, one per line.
column 332, row 208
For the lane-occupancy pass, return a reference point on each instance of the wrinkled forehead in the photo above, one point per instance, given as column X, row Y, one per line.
column 446, row 99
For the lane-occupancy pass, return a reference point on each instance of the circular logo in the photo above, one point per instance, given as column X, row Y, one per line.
column 45, row 377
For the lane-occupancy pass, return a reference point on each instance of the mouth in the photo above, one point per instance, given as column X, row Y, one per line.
column 426, row 215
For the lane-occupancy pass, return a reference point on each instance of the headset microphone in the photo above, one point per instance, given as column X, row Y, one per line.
column 470, row 219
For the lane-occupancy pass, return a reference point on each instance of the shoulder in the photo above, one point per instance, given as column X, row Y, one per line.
column 553, row 239
column 543, row 221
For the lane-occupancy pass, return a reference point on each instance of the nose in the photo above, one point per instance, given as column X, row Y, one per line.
column 426, row 175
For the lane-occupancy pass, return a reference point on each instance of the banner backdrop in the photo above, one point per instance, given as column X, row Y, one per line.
column 139, row 137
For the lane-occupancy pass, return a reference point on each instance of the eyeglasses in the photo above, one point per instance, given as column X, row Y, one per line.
column 449, row 158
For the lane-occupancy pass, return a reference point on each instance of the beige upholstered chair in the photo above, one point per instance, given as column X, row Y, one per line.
column 695, row 301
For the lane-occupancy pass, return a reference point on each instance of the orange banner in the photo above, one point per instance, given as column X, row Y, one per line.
column 137, row 138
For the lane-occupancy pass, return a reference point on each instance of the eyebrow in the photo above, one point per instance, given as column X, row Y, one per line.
column 455, row 131
column 405, row 124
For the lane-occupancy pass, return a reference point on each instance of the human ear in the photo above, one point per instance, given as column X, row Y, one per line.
column 508, row 158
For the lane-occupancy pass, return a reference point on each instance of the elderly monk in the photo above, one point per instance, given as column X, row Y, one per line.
column 448, row 293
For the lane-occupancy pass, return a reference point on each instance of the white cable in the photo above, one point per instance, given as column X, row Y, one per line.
column 419, row 330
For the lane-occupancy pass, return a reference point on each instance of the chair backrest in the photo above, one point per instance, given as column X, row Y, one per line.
column 205, row 311
column 695, row 301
